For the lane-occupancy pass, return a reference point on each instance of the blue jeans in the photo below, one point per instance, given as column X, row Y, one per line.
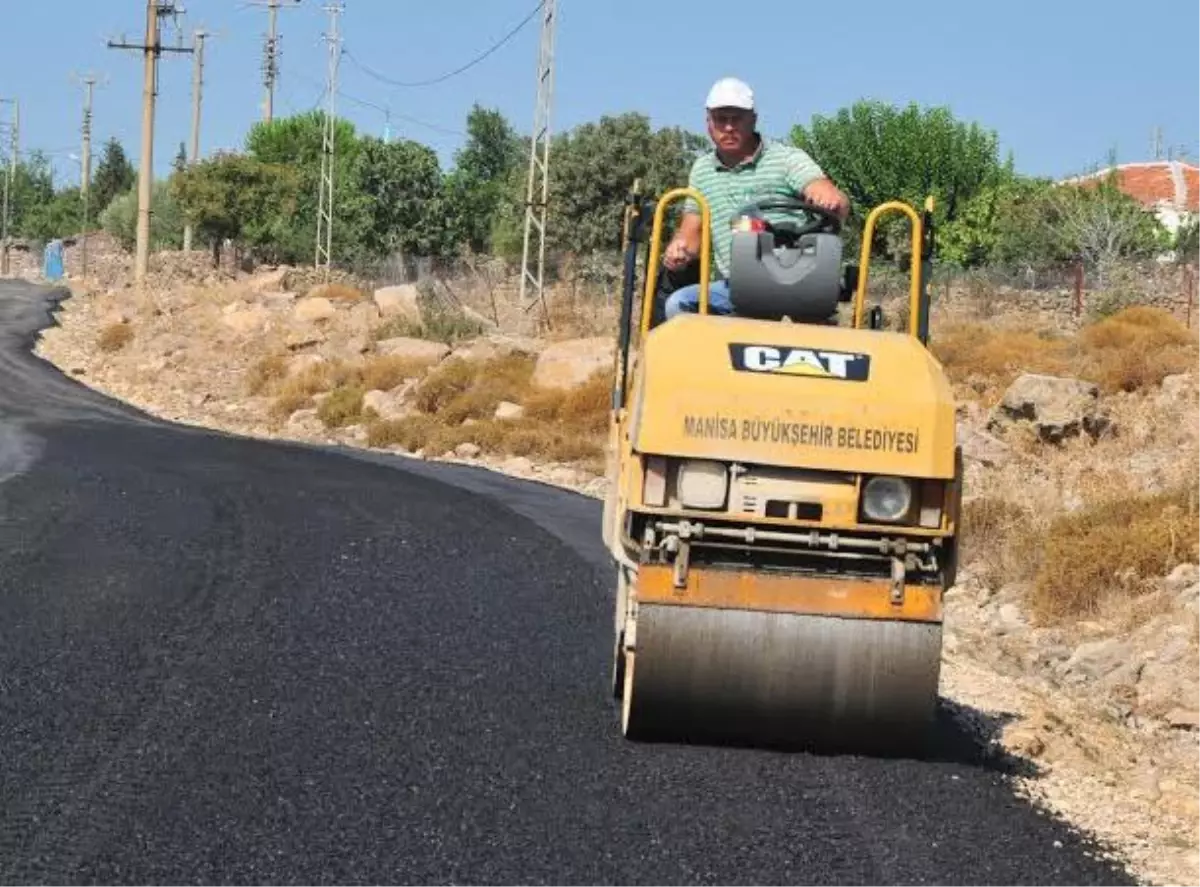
column 687, row 298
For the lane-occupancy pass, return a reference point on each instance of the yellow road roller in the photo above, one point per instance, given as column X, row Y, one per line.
column 784, row 492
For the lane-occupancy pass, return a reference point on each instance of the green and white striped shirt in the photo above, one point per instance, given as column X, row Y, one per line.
column 774, row 169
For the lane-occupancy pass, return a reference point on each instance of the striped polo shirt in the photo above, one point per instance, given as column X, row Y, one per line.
column 774, row 169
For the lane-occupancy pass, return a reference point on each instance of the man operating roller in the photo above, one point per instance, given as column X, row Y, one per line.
column 742, row 167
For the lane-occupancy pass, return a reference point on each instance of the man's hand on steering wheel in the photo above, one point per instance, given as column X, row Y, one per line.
column 825, row 194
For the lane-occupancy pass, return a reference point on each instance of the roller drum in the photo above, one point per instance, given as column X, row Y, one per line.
column 704, row 673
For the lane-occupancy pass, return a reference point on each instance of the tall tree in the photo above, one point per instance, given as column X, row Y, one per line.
column 114, row 175
column 482, row 167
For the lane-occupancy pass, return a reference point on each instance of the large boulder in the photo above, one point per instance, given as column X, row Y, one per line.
column 416, row 349
column 313, row 309
column 1057, row 408
column 402, row 300
column 498, row 345
column 566, row 365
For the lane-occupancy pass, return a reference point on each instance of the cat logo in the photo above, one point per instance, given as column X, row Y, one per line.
column 783, row 361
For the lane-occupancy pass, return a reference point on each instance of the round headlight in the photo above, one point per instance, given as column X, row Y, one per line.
column 886, row 498
column 702, row 483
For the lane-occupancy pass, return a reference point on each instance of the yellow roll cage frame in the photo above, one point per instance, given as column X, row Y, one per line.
column 917, row 307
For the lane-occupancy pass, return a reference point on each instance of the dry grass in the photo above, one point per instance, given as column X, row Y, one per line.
column 1002, row 538
column 457, row 403
column 269, row 376
column 1132, row 350
column 114, row 337
column 265, row 372
column 1112, row 547
column 343, row 406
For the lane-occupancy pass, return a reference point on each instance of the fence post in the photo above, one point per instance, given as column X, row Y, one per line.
column 1189, row 282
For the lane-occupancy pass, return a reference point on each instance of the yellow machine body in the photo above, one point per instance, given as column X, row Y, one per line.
column 763, row 593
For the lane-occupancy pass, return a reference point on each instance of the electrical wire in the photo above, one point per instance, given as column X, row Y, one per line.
column 444, row 77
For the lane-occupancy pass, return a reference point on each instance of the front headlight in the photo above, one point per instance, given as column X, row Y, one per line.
column 886, row 499
column 701, row 483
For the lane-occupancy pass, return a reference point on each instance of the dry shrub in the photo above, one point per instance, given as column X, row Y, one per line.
column 115, row 336
column 1112, row 546
column 266, row 372
column 1136, row 348
column 457, row 403
column 585, row 408
column 296, row 392
column 342, row 406
column 519, row 437
column 459, row 390
column 385, row 372
column 1001, row 536
column 1132, row 350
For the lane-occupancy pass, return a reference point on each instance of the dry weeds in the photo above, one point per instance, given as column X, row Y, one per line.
column 1132, row 350
column 114, row 337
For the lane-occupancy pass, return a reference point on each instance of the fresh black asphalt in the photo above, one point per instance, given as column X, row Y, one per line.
column 232, row 661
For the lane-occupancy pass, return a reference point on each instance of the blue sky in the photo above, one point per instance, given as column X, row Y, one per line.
column 1063, row 82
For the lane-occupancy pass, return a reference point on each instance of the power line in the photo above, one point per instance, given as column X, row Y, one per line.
column 389, row 113
column 444, row 77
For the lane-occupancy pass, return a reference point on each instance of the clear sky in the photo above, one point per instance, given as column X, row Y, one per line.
column 1063, row 82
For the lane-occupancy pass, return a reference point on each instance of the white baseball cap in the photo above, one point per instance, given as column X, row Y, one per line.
column 729, row 92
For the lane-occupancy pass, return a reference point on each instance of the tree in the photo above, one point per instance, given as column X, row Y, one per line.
column 114, row 175
column 474, row 190
column 593, row 168
column 236, row 197
column 1101, row 224
column 877, row 153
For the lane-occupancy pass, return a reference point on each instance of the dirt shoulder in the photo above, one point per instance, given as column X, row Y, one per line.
column 1071, row 638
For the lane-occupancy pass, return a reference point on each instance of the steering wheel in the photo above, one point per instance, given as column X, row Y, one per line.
column 826, row 220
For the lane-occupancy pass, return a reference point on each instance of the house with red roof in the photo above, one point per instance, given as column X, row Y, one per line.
column 1168, row 188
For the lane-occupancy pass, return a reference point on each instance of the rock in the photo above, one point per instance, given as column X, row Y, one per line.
column 362, row 317
column 563, row 475
column 1183, row 577
column 245, row 319
column 467, row 450
column 278, row 301
column 1183, row 719
column 1009, row 618
column 314, row 309
column 268, row 281
column 979, row 446
column 303, row 338
column 489, row 347
column 403, row 300
column 1178, row 385
column 566, row 365
column 305, row 422
column 1058, row 408
column 416, row 349
column 507, row 410
column 1095, row 659
column 519, row 465
column 1025, row 740
column 302, row 362
column 387, row 404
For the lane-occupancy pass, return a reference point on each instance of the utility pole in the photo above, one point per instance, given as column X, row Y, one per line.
column 539, row 167
column 271, row 54
column 10, row 180
column 151, row 49
column 197, row 90
column 325, row 199
column 85, row 162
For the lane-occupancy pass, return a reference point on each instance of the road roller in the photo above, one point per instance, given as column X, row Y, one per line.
column 784, row 491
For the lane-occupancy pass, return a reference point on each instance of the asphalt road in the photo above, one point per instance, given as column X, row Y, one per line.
column 224, row 660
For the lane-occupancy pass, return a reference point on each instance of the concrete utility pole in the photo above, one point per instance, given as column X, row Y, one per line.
column 10, row 180
column 151, row 49
column 271, row 53
column 85, row 165
column 325, row 199
column 197, row 90
column 539, row 167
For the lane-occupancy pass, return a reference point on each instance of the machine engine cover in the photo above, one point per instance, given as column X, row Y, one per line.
column 801, row 282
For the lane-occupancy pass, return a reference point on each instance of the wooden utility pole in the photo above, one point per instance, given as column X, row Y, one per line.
column 151, row 48
column 197, row 91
